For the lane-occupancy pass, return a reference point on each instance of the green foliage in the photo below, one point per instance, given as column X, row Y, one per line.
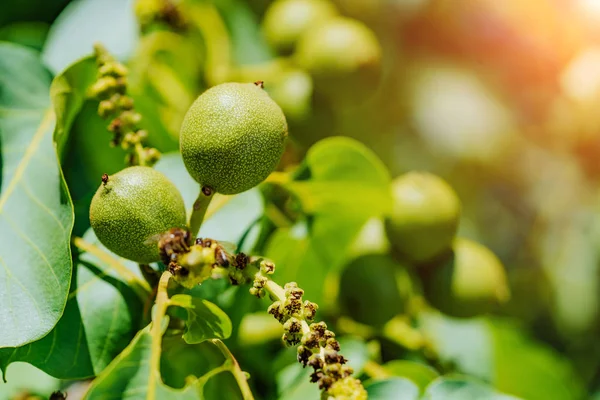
column 370, row 91
column 204, row 319
column 347, row 185
column 102, row 315
column 36, row 213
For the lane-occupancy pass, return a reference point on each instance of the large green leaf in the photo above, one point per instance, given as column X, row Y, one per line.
column 36, row 213
column 347, row 186
column 102, row 315
column 204, row 319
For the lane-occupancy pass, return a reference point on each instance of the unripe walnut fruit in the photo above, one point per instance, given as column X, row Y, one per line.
column 132, row 208
column 343, row 56
column 286, row 20
column 425, row 216
column 471, row 282
column 233, row 137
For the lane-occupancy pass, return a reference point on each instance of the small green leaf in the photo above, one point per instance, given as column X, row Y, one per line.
column 420, row 374
column 393, row 389
column 347, row 186
column 204, row 320
column 101, row 317
column 36, row 213
column 462, row 388
column 345, row 176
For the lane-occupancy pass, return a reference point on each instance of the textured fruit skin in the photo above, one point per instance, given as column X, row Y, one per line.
column 286, row 20
column 135, row 206
column 368, row 290
column 425, row 216
column 471, row 282
column 343, row 56
column 232, row 137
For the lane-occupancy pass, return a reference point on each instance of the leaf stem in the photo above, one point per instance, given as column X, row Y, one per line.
column 162, row 303
column 139, row 286
column 199, row 210
column 236, row 370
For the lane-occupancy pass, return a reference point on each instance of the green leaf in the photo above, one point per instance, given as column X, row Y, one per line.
column 128, row 376
column 36, row 213
column 393, row 389
column 345, row 176
column 83, row 23
column 101, row 317
column 347, row 186
column 68, row 93
column 204, row 320
column 463, row 388
column 420, row 374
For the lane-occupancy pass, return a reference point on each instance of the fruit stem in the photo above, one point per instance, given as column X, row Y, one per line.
column 199, row 210
column 139, row 286
column 235, row 369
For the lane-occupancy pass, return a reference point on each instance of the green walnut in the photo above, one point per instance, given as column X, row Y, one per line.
column 425, row 216
column 343, row 56
column 233, row 137
column 286, row 20
column 132, row 208
column 368, row 290
column 471, row 282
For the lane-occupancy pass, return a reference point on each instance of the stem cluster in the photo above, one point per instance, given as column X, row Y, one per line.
column 110, row 88
column 317, row 346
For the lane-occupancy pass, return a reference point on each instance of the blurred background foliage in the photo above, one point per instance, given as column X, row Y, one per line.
column 501, row 99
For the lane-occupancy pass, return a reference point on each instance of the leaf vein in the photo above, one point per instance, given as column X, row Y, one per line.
column 31, row 149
